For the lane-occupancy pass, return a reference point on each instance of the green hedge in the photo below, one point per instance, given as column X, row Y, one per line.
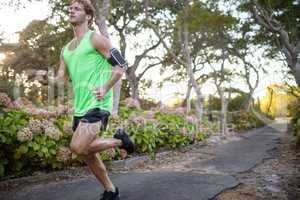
column 29, row 143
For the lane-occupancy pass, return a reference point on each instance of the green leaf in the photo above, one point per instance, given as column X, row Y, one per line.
column 52, row 151
column 2, row 138
column 44, row 150
column 35, row 146
column 30, row 144
column 23, row 149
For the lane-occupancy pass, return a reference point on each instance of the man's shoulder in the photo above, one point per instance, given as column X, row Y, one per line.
column 98, row 37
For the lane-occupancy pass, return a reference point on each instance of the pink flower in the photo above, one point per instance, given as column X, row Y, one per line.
column 68, row 128
column 149, row 115
column 63, row 154
column 139, row 120
column 53, row 133
column 35, row 126
column 184, row 131
column 22, row 102
column 179, row 110
column 24, row 135
column 191, row 119
column 132, row 102
column 6, row 101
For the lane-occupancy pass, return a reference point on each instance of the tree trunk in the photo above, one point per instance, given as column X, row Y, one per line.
column 270, row 102
column 198, row 103
column 123, row 44
column 133, row 83
column 187, row 99
column 134, row 88
column 224, row 106
column 101, row 18
column 249, row 100
column 135, row 91
column 296, row 72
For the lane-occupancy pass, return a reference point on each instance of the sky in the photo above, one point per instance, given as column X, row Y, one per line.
column 12, row 21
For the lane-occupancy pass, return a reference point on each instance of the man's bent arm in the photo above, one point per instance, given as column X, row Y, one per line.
column 61, row 71
column 117, row 74
column 103, row 46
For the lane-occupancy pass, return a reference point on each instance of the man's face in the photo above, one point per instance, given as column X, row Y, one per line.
column 77, row 14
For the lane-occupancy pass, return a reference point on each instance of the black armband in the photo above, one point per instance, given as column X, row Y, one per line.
column 117, row 59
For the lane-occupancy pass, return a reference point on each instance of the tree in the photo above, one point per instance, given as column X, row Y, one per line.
column 206, row 27
column 125, row 17
column 279, row 29
column 221, row 78
column 242, row 50
column 38, row 47
column 195, row 34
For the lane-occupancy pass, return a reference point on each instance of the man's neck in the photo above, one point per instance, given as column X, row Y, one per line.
column 80, row 30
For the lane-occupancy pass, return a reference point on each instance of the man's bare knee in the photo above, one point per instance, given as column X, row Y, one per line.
column 78, row 150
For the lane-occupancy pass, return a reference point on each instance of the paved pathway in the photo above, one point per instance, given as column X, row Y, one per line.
column 206, row 179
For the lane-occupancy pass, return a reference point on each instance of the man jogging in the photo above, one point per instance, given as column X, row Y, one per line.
column 94, row 67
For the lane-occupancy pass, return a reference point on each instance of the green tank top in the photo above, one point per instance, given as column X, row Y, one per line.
column 88, row 70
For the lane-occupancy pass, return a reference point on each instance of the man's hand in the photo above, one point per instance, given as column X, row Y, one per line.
column 100, row 93
column 52, row 79
column 61, row 109
column 56, row 80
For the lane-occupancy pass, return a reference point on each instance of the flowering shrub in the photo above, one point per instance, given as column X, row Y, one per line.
column 64, row 154
column 29, row 139
column 29, row 143
column 244, row 120
column 40, row 139
column 10, row 124
column 177, row 131
column 151, row 130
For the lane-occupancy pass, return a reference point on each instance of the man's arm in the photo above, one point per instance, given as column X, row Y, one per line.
column 59, row 79
column 103, row 45
column 61, row 71
column 62, row 68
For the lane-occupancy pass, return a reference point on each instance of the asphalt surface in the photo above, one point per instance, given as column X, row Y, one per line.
column 242, row 155
column 229, row 159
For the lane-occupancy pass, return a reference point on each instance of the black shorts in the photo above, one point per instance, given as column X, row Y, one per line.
column 92, row 116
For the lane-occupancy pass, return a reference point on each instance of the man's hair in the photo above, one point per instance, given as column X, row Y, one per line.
column 88, row 8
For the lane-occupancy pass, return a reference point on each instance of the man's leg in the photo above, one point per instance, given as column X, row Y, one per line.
column 99, row 170
column 101, row 144
column 83, row 138
column 86, row 143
